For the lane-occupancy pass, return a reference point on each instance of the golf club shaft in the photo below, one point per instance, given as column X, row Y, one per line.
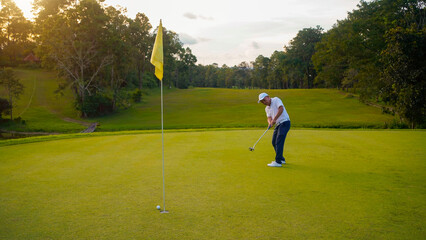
column 261, row 136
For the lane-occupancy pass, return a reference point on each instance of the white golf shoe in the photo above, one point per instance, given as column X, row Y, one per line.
column 274, row 164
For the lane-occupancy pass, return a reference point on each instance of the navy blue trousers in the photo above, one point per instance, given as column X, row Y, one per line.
column 278, row 140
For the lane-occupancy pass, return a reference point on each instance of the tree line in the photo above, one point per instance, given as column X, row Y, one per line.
column 101, row 54
column 378, row 51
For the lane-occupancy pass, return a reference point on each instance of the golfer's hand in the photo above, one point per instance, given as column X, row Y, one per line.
column 273, row 122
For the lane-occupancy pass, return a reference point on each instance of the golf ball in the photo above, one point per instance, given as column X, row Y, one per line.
column 158, row 207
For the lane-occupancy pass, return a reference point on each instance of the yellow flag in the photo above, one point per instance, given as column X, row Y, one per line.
column 157, row 53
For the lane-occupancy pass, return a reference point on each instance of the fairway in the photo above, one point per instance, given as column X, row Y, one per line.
column 336, row 185
column 45, row 111
column 224, row 108
column 192, row 121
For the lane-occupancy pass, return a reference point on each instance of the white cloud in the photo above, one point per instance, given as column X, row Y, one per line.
column 190, row 15
column 255, row 45
column 193, row 16
column 206, row 18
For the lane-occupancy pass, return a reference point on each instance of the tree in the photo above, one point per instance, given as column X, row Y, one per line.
column 74, row 41
column 12, row 86
column 229, row 76
column 330, row 58
column 15, row 33
column 172, row 46
column 260, row 72
column 242, row 76
column 211, row 75
column 185, row 67
column 276, row 72
column 49, row 14
column 114, row 77
column 351, row 50
column 404, row 73
column 141, row 41
column 300, row 52
column 379, row 49
column 46, row 9
column 4, row 107
column 199, row 74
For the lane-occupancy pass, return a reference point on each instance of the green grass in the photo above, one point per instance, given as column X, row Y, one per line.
column 44, row 111
column 338, row 184
column 40, row 107
column 220, row 108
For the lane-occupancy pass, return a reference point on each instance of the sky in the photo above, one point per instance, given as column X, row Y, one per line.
column 232, row 31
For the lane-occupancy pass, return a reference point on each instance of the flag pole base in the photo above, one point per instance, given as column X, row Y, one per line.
column 164, row 211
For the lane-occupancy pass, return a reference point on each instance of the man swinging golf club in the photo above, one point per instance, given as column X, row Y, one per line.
column 278, row 116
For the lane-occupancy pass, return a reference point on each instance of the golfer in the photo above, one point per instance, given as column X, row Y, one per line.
column 278, row 116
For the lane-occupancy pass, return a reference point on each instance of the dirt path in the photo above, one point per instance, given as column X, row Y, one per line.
column 71, row 120
column 91, row 127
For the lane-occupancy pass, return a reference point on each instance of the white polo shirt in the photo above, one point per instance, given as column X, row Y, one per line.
column 271, row 111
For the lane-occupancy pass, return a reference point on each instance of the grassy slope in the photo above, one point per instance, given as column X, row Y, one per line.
column 40, row 107
column 206, row 107
column 337, row 185
column 192, row 108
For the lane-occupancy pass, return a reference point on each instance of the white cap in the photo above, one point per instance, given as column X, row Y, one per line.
column 262, row 96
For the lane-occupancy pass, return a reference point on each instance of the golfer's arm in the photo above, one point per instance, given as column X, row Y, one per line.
column 269, row 121
column 280, row 111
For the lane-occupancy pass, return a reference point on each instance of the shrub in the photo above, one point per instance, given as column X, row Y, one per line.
column 4, row 107
column 149, row 81
column 137, row 96
column 95, row 105
column 397, row 125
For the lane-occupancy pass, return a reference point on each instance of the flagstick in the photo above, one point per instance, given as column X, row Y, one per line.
column 162, row 136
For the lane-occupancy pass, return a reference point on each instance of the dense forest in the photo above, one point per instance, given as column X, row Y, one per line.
column 378, row 52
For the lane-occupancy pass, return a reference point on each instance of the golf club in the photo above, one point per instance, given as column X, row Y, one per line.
column 252, row 148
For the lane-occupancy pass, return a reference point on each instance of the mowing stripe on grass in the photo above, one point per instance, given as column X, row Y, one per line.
column 337, row 185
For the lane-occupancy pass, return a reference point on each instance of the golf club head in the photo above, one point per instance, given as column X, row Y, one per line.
column 251, row 149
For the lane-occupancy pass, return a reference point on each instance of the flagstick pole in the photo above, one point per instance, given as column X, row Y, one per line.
column 162, row 137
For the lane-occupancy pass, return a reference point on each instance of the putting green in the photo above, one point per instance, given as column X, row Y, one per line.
column 336, row 185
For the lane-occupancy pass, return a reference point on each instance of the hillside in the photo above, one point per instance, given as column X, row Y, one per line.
column 42, row 109
column 210, row 107
column 45, row 111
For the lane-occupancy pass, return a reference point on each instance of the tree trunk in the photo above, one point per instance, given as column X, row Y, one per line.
column 141, row 71
column 139, row 77
column 307, row 77
column 11, row 107
column 84, row 114
column 176, row 78
column 114, row 95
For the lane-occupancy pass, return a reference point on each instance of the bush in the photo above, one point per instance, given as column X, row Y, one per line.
column 396, row 125
column 386, row 110
column 4, row 107
column 349, row 95
column 149, row 81
column 95, row 105
column 18, row 120
column 30, row 65
column 137, row 96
